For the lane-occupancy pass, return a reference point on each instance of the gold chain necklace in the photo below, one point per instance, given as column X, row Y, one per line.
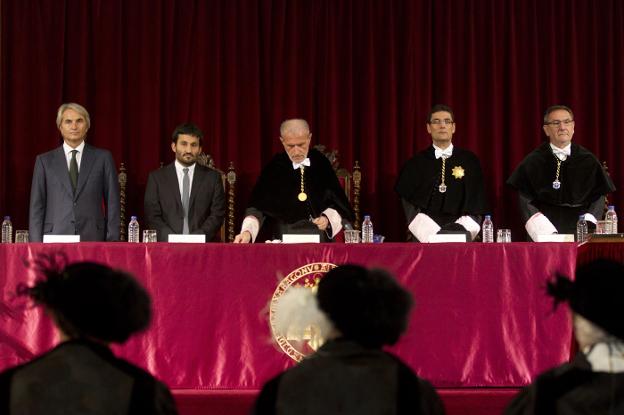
column 557, row 183
column 302, row 195
column 442, row 187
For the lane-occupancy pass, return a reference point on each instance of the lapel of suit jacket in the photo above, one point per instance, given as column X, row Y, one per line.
column 171, row 182
column 198, row 177
column 59, row 166
column 86, row 164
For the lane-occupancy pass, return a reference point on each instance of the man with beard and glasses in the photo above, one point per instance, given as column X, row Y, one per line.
column 185, row 197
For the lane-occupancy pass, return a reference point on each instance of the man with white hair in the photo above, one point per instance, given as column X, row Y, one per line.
column 593, row 383
column 75, row 190
column 297, row 192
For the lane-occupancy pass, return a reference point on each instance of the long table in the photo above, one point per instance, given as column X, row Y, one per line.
column 482, row 318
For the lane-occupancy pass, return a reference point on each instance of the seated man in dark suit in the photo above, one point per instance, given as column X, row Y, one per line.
column 297, row 192
column 185, row 197
column 91, row 305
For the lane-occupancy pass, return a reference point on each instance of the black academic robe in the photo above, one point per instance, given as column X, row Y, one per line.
column 274, row 199
column 343, row 377
column 419, row 181
column 572, row 389
column 582, row 179
column 82, row 377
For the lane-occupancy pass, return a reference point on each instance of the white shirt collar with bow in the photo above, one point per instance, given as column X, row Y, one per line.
column 305, row 162
column 561, row 153
column 446, row 153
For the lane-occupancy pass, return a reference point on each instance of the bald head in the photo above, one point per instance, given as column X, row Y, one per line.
column 294, row 126
column 295, row 137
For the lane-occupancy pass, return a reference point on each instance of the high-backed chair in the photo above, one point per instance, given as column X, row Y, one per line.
column 350, row 181
column 606, row 206
column 123, row 181
column 229, row 186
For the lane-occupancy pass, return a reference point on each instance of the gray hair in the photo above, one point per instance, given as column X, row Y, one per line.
column 72, row 106
column 294, row 124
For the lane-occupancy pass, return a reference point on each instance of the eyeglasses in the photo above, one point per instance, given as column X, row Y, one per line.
column 446, row 121
column 557, row 123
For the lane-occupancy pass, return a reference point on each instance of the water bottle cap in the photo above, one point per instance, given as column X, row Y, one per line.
column 582, row 217
column 611, row 207
column 133, row 217
column 488, row 217
column 366, row 216
column 7, row 218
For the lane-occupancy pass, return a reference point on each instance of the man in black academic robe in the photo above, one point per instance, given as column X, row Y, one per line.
column 560, row 180
column 297, row 192
column 593, row 383
column 442, row 188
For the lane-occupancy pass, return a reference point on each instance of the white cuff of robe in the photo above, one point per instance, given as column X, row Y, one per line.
column 470, row 225
column 422, row 227
column 539, row 224
column 251, row 225
column 335, row 220
column 591, row 218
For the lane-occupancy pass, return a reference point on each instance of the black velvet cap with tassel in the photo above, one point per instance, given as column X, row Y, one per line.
column 597, row 294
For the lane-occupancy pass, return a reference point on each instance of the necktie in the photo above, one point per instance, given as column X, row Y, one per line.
column 186, row 186
column 73, row 170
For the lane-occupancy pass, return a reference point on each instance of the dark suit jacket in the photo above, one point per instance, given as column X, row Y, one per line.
column 163, row 202
column 92, row 212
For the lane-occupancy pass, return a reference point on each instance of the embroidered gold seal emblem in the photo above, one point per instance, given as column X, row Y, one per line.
column 458, row 172
column 308, row 276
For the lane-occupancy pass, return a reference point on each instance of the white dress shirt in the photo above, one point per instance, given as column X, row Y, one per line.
column 68, row 153
column 180, row 173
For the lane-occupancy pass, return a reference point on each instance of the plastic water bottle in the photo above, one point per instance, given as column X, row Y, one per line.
column 7, row 230
column 133, row 230
column 367, row 230
column 581, row 229
column 487, row 229
column 611, row 218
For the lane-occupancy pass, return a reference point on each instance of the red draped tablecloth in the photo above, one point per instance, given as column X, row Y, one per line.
column 481, row 315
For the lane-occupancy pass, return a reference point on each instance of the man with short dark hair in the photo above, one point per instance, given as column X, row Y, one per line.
column 185, row 197
column 75, row 189
column 297, row 192
column 442, row 187
column 560, row 180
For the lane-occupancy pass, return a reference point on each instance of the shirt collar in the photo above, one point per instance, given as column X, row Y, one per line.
column 561, row 153
column 305, row 162
column 67, row 148
column 180, row 167
column 605, row 357
column 446, row 153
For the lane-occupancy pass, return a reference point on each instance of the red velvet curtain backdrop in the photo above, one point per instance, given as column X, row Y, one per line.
column 363, row 72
